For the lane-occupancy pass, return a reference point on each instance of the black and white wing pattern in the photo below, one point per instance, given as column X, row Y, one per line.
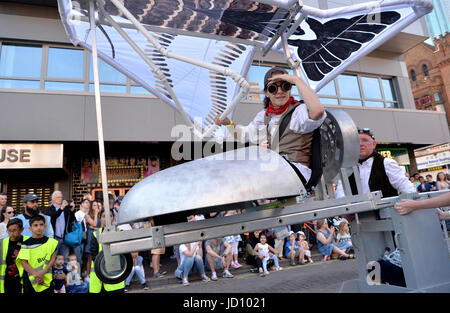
column 323, row 47
column 243, row 19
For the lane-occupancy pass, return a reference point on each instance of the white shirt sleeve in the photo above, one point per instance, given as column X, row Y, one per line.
column 255, row 132
column 301, row 123
column 397, row 177
column 339, row 193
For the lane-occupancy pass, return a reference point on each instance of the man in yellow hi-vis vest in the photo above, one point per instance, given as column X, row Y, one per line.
column 36, row 258
column 95, row 284
column 10, row 283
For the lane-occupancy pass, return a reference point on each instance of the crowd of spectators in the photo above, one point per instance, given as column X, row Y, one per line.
column 262, row 249
column 426, row 184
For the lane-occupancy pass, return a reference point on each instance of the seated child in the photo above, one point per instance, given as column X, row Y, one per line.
column 74, row 283
column 60, row 274
column 265, row 252
column 343, row 237
column 304, row 248
column 291, row 248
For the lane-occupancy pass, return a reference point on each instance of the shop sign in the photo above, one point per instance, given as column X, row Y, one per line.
column 119, row 169
column 436, row 168
column 400, row 155
column 433, row 160
column 431, row 150
column 31, row 156
column 123, row 174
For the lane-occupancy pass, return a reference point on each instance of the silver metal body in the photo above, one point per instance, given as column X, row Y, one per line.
column 257, row 173
column 245, row 174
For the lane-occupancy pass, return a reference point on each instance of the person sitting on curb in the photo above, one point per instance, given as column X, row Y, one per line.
column 303, row 248
column 264, row 253
column 191, row 260
column 292, row 248
column 219, row 254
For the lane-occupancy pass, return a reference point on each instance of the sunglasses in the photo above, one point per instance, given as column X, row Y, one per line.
column 273, row 88
column 10, row 212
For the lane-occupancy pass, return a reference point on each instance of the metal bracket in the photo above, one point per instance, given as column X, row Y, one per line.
column 158, row 237
column 292, row 13
column 112, row 262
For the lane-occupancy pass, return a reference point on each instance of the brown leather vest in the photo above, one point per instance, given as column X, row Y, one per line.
column 296, row 146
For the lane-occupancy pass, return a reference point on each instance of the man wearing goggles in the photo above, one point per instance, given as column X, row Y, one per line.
column 285, row 125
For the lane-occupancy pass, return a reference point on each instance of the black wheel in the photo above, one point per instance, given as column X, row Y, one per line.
column 126, row 265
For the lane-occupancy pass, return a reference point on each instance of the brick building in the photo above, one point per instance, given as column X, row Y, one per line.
column 429, row 73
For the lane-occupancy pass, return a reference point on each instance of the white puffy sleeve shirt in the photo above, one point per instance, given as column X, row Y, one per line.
column 256, row 133
column 300, row 124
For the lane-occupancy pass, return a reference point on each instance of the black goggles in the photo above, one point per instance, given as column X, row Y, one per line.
column 366, row 131
column 273, row 88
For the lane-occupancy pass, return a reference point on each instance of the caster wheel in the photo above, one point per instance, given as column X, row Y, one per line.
column 126, row 265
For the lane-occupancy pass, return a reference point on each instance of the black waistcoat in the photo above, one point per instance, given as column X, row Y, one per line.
column 378, row 180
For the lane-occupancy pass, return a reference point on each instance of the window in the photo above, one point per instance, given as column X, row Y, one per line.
column 58, row 66
column 347, row 89
column 425, row 70
column 413, row 75
column 20, row 66
column 45, row 67
column 348, row 86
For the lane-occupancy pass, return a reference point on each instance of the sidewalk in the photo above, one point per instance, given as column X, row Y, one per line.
column 170, row 265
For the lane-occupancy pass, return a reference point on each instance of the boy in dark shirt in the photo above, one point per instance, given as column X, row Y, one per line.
column 11, row 285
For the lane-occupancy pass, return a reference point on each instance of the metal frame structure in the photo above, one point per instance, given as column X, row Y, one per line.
column 375, row 217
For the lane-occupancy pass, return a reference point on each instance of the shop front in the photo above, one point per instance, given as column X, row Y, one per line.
column 126, row 165
column 433, row 159
column 400, row 155
column 30, row 168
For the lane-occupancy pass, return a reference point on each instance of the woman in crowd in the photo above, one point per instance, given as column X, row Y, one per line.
column 80, row 216
column 6, row 213
column 93, row 223
column 325, row 243
column 441, row 181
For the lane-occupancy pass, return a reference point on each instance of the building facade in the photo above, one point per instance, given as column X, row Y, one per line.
column 46, row 100
column 429, row 73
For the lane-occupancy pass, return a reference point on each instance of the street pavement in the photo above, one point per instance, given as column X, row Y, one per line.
column 318, row 277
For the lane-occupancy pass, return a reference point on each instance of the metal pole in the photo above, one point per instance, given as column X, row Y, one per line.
column 98, row 111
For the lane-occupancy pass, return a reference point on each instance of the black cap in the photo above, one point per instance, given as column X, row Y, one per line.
column 273, row 70
column 366, row 131
column 30, row 197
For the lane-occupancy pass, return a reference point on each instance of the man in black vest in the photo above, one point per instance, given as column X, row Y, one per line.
column 377, row 172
